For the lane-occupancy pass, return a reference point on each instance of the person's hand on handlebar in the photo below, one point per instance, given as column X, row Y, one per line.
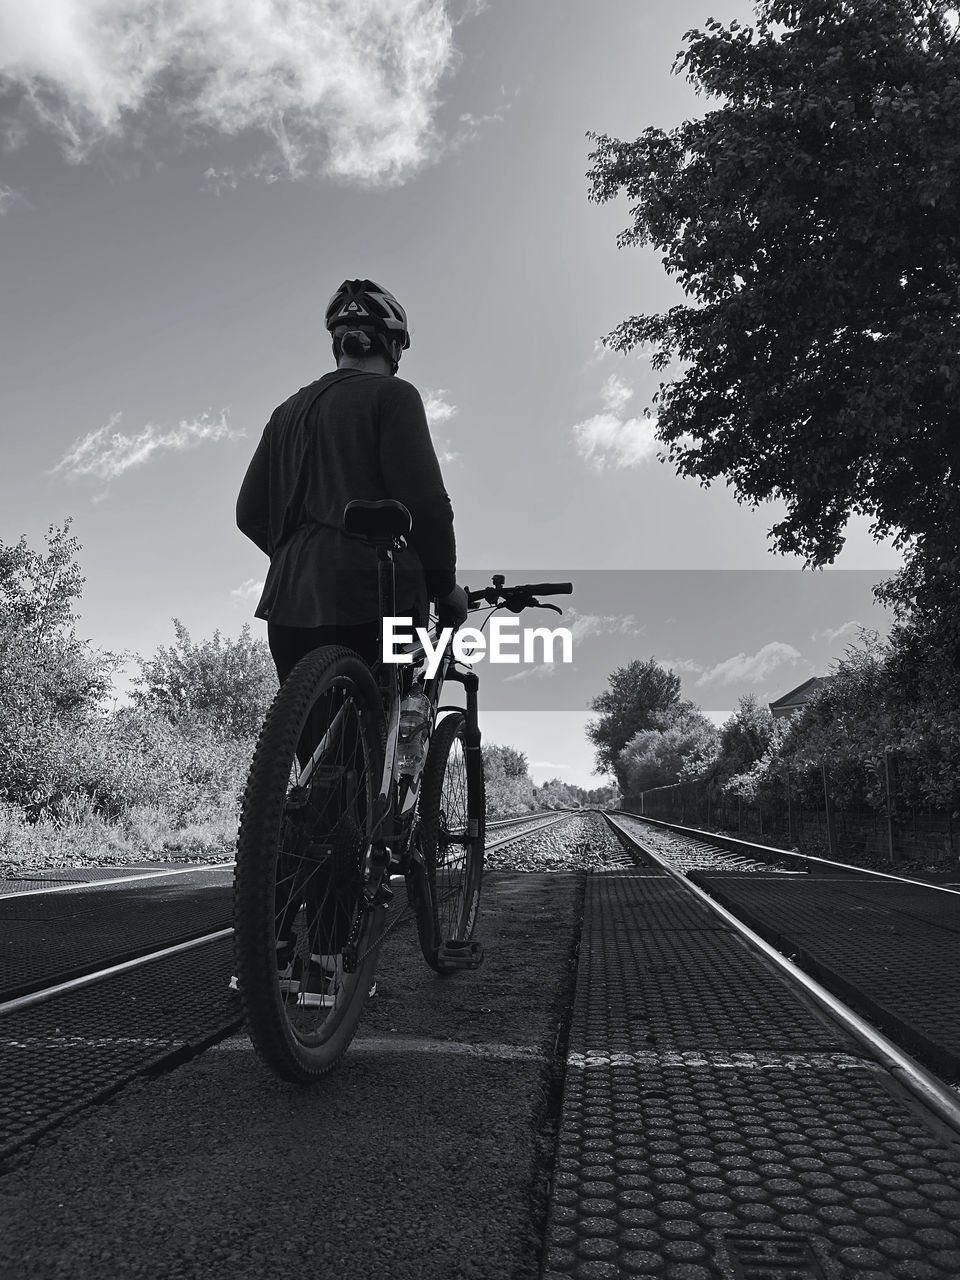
column 452, row 609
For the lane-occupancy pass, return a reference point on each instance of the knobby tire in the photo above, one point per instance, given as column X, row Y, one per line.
column 451, row 834
column 298, row 891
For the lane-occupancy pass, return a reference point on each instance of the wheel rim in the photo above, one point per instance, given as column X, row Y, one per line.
column 320, row 917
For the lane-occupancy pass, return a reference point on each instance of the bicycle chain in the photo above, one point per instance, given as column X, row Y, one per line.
column 389, row 929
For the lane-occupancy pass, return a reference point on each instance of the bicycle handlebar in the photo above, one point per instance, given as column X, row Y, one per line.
column 523, row 593
column 544, row 588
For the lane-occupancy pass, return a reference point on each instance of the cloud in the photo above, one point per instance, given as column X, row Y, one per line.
column 683, row 666
column 609, row 439
column 349, row 90
column 247, row 593
column 541, row 671
column 106, row 453
column 12, row 199
column 844, row 632
column 439, row 411
column 584, row 625
column 752, row 668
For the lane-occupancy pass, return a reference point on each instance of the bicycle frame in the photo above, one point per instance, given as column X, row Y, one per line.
column 393, row 806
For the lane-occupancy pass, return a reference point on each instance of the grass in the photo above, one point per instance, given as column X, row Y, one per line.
column 143, row 834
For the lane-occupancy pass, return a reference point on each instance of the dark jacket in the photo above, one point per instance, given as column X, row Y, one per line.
column 349, row 435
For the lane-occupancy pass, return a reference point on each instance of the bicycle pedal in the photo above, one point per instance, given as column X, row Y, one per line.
column 460, row 955
column 383, row 896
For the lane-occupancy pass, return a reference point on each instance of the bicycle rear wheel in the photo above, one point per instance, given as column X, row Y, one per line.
column 452, row 832
column 305, row 937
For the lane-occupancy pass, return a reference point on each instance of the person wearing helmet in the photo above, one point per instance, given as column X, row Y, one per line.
column 357, row 432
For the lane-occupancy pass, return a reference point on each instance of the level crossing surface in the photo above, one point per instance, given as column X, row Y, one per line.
column 678, row 1111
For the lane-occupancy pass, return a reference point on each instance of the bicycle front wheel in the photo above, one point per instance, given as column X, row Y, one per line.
column 305, row 936
column 452, row 832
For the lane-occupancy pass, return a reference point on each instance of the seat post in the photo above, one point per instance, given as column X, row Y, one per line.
column 386, row 583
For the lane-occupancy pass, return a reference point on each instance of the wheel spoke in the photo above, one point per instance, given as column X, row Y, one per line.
column 308, row 812
column 451, row 808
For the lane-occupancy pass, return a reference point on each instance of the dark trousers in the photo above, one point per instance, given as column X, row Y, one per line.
column 289, row 644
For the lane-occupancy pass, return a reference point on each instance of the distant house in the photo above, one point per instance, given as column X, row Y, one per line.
column 797, row 697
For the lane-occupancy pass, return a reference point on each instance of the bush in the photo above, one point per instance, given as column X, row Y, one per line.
column 227, row 683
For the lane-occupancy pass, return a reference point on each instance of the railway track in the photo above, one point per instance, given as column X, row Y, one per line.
column 876, row 951
column 116, row 975
column 61, row 936
column 720, row 1116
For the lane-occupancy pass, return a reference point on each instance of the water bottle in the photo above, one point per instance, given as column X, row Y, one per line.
column 414, row 727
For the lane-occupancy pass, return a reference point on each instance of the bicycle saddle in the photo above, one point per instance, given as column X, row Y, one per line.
column 381, row 521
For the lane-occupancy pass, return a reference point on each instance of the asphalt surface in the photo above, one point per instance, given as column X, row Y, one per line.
column 426, row 1155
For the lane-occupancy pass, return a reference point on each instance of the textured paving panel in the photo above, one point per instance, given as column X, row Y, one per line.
column 793, row 1161
column 651, row 987
column 901, row 907
column 657, row 903
column 58, row 1056
column 870, row 945
column 46, row 937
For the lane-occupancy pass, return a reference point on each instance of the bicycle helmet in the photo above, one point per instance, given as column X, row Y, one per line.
column 364, row 305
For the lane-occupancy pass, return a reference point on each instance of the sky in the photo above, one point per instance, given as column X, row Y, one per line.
column 182, row 187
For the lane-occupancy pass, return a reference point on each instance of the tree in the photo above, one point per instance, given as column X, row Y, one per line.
column 46, row 669
column 228, row 682
column 680, row 748
column 556, row 794
column 812, row 220
column 637, row 694
column 51, row 682
column 744, row 740
column 509, row 786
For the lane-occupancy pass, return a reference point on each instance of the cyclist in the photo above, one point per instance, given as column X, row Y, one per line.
column 358, row 432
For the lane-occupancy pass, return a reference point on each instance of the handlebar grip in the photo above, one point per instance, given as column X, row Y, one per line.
column 548, row 588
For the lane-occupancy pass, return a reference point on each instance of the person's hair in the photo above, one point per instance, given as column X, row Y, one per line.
column 357, row 342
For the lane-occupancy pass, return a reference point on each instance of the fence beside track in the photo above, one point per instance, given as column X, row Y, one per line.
column 775, row 855
column 815, row 818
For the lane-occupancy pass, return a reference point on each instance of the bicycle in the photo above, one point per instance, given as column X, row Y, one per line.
column 355, row 778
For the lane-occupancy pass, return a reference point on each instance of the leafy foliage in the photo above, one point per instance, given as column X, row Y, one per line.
column 45, row 669
column 230, row 683
column 681, row 745
column 639, row 694
column 744, row 740
column 50, row 681
column 888, row 707
column 509, row 786
column 813, row 221
column 64, row 758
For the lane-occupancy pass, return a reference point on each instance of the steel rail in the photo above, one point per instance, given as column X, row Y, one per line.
column 524, row 817
column 129, row 879
column 922, row 1083
column 511, row 836
column 135, row 877
column 717, row 837
column 100, row 975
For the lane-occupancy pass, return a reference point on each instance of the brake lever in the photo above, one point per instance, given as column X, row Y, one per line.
column 528, row 602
